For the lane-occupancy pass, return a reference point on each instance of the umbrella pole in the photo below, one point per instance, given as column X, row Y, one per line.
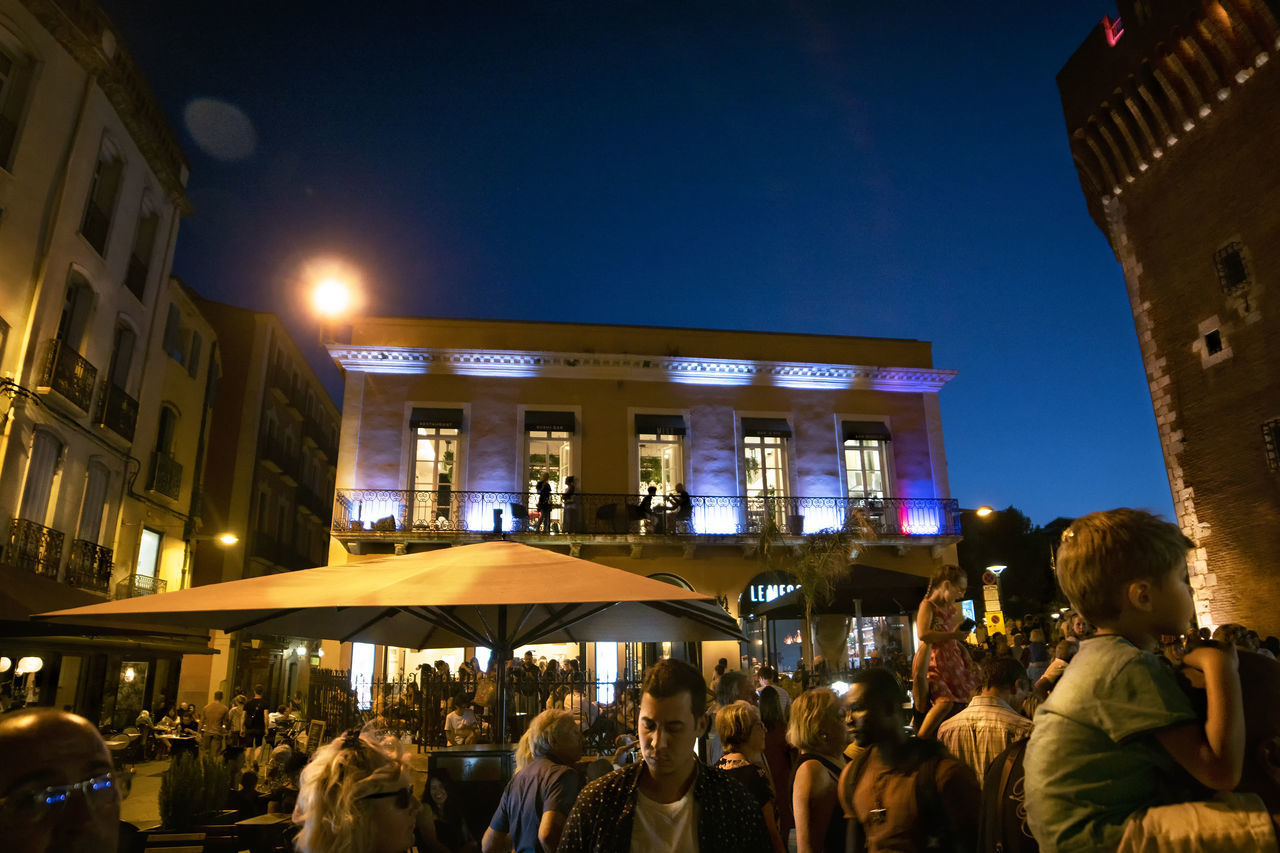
column 502, row 652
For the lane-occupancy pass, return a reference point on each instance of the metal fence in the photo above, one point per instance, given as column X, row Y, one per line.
column 417, row 708
column 444, row 512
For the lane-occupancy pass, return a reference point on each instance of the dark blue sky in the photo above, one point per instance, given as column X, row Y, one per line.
column 834, row 167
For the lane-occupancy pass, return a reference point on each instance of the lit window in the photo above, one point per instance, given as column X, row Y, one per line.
column 436, row 436
column 660, row 450
column 764, row 443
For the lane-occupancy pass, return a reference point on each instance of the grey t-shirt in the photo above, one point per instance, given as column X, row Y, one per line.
column 1093, row 759
column 542, row 786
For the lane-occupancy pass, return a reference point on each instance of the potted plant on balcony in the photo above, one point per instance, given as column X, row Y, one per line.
column 817, row 563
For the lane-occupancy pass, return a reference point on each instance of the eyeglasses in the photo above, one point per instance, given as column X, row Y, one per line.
column 404, row 797
column 36, row 806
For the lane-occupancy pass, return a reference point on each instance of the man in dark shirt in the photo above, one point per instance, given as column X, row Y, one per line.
column 255, row 723
column 531, row 816
column 668, row 801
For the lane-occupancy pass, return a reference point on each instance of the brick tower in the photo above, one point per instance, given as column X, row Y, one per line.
column 1173, row 111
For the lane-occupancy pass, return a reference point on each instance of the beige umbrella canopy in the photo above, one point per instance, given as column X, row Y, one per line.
column 501, row 595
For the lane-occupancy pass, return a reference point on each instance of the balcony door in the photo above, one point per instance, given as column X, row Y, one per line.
column 765, row 464
column 148, row 555
column 435, row 458
column 660, row 452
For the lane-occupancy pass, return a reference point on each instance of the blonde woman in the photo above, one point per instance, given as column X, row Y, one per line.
column 817, row 730
column 742, row 733
column 356, row 797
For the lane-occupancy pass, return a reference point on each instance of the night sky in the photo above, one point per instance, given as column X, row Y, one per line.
column 835, row 167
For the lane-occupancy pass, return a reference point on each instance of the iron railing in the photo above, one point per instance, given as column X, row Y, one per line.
column 417, row 706
column 166, row 475
column 34, row 547
column 443, row 512
column 70, row 374
column 117, row 411
column 138, row 585
column 89, row 566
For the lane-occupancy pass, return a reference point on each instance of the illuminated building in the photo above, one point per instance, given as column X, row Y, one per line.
column 1173, row 112
column 103, row 361
column 448, row 425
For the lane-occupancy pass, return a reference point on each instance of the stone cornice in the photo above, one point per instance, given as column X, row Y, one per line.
column 638, row 368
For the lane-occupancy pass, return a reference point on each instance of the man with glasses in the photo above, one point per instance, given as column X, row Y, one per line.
column 57, row 791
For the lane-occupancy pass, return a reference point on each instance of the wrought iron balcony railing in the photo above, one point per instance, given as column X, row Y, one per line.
column 89, row 566
column 117, row 411
column 34, row 548
column 68, row 373
column 443, row 512
column 166, row 475
column 138, row 585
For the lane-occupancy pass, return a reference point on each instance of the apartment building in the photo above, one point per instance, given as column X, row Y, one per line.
column 98, row 440
column 1173, row 110
column 272, row 457
column 449, row 426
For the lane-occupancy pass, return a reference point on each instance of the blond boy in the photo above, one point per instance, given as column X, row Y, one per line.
column 1118, row 737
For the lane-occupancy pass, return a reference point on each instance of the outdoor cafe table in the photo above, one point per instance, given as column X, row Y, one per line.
column 260, row 833
column 178, row 743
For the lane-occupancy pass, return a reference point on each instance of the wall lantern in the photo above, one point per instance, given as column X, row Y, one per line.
column 5, row 664
column 29, row 665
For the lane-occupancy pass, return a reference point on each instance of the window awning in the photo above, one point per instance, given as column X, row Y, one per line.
column 548, row 422
column 660, row 425
column 436, row 418
column 866, row 431
column 775, row 427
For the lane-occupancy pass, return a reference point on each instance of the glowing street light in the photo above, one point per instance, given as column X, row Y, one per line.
column 334, row 286
column 228, row 539
column 984, row 511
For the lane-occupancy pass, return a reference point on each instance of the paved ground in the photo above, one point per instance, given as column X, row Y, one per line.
column 142, row 807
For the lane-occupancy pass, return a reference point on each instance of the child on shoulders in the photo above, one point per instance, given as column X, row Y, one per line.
column 1118, row 737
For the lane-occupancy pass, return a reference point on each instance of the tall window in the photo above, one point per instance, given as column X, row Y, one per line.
column 436, row 434
column 75, row 311
column 122, row 357
column 765, row 449
column 15, row 81
column 167, row 430
column 660, row 450
column 144, row 243
column 95, row 501
column 46, row 451
column 549, row 453
column 103, row 190
column 865, row 459
column 149, row 553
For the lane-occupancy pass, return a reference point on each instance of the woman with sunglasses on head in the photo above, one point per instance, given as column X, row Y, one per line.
column 356, row 797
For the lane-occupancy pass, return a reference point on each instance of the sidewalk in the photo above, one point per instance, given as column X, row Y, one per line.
column 142, row 807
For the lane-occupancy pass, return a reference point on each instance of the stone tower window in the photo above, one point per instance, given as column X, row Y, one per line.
column 1271, row 438
column 1233, row 270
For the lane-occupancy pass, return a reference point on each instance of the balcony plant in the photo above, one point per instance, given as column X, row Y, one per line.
column 817, row 563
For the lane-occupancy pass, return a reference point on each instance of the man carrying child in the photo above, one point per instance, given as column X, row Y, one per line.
column 1117, row 747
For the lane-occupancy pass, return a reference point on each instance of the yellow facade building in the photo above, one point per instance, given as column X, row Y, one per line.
column 449, row 426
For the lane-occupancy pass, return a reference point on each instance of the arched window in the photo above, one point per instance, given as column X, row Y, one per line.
column 95, row 502
column 167, row 430
column 104, row 190
column 46, row 454
column 76, row 308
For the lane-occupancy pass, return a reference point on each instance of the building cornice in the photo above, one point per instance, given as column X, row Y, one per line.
column 637, row 368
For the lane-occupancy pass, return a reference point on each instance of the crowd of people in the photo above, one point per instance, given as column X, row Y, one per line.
column 1135, row 733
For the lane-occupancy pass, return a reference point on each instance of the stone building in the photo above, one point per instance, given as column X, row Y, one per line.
column 99, row 435
column 449, row 426
column 1173, row 111
column 272, row 457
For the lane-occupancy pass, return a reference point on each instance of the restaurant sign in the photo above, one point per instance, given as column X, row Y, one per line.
column 761, row 593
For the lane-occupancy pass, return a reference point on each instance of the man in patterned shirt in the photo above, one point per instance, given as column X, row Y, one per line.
column 669, row 801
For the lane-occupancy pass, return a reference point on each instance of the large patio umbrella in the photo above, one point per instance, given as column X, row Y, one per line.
column 501, row 595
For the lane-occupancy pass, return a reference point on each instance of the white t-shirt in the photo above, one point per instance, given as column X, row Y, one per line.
column 455, row 721
column 665, row 827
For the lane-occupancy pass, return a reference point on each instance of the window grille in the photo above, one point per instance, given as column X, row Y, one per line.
column 1233, row 272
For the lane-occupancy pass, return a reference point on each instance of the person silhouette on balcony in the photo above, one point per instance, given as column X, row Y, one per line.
column 544, row 505
column 680, row 509
column 648, row 518
column 571, row 510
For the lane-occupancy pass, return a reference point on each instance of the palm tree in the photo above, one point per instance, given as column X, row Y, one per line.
column 817, row 563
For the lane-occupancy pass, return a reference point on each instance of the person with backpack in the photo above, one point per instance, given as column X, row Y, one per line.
column 902, row 792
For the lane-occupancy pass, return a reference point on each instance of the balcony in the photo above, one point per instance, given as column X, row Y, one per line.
column 117, row 411
column 321, row 438
column 34, row 548
column 166, row 475
column 322, row 507
column 69, row 374
column 275, row 456
column 139, row 585
column 403, row 514
column 89, row 566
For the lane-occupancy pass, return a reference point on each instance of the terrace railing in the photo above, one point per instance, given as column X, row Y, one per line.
column 70, row 374
column 117, row 411
column 138, row 585
column 166, row 475
column 34, row 547
column 89, row 566
column 443, row 513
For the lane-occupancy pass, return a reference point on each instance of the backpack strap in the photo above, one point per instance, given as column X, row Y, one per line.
column 848, row 783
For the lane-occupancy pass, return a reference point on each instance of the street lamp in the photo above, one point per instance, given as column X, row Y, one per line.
column 335, row 289
column 228, row 539
column 983, row 511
